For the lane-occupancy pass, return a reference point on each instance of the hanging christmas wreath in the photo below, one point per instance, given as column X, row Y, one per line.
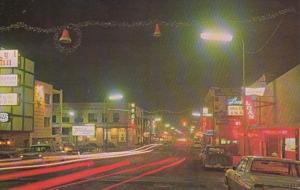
column 62, row 39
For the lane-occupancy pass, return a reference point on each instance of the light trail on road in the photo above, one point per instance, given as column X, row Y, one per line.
column 56, row 181
column 41, row 171
column 145, row 174
column 141, row 150
column 129, row 170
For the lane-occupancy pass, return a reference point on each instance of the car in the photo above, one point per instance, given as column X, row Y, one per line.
column 88, row 148
column 215, row 157
column 40, row 151
column 263, row 173
column 197, row 144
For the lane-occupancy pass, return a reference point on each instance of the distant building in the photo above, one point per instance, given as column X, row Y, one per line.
column 123, row 122
column 43, row 107
column 16, row 98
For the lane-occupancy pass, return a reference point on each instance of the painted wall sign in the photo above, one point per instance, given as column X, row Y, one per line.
column 9, row 58
column 9, row 80
column 8, row 99
column 4, row 117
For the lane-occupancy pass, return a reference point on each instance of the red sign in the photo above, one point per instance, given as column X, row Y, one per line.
column 250, row 110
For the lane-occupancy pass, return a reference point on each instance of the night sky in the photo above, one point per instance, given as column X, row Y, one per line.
column 172, row 72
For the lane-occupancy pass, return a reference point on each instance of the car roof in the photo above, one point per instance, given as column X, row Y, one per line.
column 271, row 159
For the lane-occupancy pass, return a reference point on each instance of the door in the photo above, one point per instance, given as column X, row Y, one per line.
column 237, row 182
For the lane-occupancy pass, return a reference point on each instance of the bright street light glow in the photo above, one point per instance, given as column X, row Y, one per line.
column 196, row 114
column 216, row 36
column 167, row 125
column 115, row 97
column 172, row 128
column 71, row 113
column 157, row 119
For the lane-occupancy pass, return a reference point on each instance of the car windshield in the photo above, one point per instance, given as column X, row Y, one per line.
column 216, row 150
column 40, row 148
column 275, row 168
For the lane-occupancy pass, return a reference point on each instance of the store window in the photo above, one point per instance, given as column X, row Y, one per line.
column 54, row 118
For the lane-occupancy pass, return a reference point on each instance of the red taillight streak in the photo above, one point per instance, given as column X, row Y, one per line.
column 41, row 171
column 56, row 181
column 130, row 170
column 145, row 174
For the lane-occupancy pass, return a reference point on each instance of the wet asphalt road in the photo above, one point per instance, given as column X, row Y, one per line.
column 164, row 168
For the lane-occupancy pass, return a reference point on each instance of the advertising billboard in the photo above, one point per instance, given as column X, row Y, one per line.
column 84, row 130
column 8, row 58
column 8, row 99
column 9, row 80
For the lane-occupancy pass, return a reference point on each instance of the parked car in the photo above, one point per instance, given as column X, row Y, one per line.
column 197, row 144
column 40, row 151
column 215, row 157
column 262, row 173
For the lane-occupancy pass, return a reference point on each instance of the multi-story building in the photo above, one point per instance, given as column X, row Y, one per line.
column 221, row 120
column 119, row 123
column 16, row 98
column 43, row 106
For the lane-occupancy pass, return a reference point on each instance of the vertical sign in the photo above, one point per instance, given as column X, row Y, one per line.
column 250, row 110
column 9, row 58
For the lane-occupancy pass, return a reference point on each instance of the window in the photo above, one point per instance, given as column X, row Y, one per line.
column 54, row 118
column 47, row 98
column 65, row 119
column 66, row 131
column 242, row 165
column 79, row 119
column 104, row 118
column 46, row 121
column 116, row 117
column 273, row 167
column 92, row 117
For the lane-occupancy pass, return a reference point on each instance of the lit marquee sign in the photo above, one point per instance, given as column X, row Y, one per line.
column 4, row 117
column 132, row 114
column 8, row 99
column 9, row 80
column 250, row 110
column 9, row 58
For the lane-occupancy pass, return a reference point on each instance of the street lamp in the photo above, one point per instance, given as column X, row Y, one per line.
column 71, row 113
column 226, row 37
column 167, row 125
column 112, row 97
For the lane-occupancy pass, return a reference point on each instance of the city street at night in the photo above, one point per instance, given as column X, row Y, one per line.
column 149, row 94
column 172, row 169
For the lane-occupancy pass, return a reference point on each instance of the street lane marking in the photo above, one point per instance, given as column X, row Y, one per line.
column 56, row 181
column 129, row 170
column 145, row 174
column 41, row 171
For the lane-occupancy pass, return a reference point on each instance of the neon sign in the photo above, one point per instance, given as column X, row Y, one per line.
column 234, row 101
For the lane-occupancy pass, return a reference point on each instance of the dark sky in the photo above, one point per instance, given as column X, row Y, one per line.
column 171, row 72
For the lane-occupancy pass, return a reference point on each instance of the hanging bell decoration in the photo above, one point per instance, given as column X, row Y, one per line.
column 156, row 31
column 65, row 37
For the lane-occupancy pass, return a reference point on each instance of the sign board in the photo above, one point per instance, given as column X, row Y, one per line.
column 9, row 80
column 234, row 101
column 209, row 133
column 4, row 117
column 205, row 110
column 255, row 91
column 9, row 58
column 85, row 130
column 235, row 110
column 250, row 110
column 8, row 99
